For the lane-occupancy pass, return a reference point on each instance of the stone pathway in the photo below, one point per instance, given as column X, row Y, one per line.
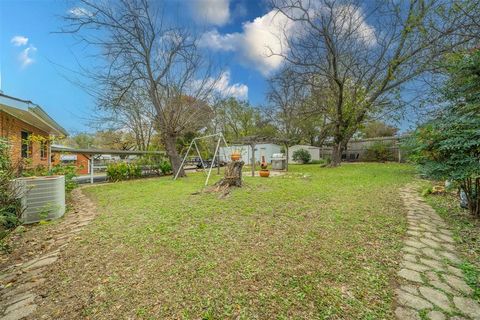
column 19, row 282
column 431, row 284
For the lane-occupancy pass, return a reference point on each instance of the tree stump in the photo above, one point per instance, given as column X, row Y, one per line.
column 233, row 175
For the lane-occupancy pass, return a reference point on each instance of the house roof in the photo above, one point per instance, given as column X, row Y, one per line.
column 30, row 113
column 58, row 148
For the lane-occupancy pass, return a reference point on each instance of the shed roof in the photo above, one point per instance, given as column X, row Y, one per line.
column 30, row 113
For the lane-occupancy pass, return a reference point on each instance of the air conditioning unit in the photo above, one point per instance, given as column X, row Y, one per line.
column 43, row 198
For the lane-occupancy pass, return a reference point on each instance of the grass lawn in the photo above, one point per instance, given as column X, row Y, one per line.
column 318, row 243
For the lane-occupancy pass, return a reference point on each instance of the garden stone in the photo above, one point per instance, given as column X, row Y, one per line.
column 442, row 286
column 436, row 297
column 432, row 263
column 436, row 315
column 413, row 233
column 410, row 275
column 23, row 288
column 446, row 238
column 431, row 243
column 20, row 304
column 455, row 271
column 406, row 314
column 409, row 300
column 19, row 298
column 410, row 250
column 450, row 256
column 415, row 244
column 458, row 284
column 409, row 288
column 429, row 252
column 414, row 266
column 432, row 276
column 20, row 313
column 42, row 263
column 410, row 257
column 446, row 232
column 467, row 306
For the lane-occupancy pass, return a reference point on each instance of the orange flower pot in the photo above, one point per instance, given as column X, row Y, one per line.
column 264, row 173
column 235, row 156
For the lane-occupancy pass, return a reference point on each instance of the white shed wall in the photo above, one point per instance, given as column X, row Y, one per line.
column 314, row 152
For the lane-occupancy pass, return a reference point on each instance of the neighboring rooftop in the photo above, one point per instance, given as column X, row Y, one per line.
column 30, row 113
column 59, row 148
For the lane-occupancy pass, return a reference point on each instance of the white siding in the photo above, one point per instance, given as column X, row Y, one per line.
column 266, row 149
column 314, row 152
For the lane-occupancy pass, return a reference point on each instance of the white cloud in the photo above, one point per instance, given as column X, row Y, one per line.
column 212, row 12
column 25, row 56
column 19, row 41
column 270, row 33
column 80, row 12
column 254, row 45
column 225, row 89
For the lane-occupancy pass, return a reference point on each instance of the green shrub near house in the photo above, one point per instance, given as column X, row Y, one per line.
column 123, row 171
column 302, row 156
column 10, row 206
column 379, row 152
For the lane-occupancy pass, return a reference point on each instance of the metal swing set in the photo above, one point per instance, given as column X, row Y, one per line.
column 220, row 139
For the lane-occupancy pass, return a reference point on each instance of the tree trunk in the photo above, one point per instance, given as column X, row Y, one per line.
column 233, row 175
column 336, row 155
column 175, row 159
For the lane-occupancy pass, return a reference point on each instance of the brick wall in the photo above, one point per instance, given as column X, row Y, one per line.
column 11, row 128
column 81, row 163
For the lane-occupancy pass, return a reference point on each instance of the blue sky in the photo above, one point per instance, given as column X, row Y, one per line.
column 36, row 61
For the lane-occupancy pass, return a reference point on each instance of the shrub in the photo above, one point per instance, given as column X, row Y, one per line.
column 379, row 151
column 301, row 155
column 123, row 171
column 165, row 167
column 10, row 205
column 70, row 172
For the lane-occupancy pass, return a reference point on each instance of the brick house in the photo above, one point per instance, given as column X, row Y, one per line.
column 28, row 128
column 79, row 160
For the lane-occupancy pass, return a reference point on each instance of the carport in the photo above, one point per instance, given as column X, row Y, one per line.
column 91, row 154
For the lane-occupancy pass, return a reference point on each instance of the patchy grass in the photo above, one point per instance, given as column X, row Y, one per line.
column 466, row 231
column 318, row 243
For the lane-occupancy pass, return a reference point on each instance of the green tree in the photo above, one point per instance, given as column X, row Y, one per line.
column 448, row 146
column 375, row 128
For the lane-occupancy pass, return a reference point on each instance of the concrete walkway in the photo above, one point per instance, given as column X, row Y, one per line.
column 431, row 284
column 20, row 282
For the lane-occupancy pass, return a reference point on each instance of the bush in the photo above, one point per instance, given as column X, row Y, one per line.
column 301, row 155
column 123, row 171
column 379, row 151
column 165, row 167
column 10, row 205
column 70, row 172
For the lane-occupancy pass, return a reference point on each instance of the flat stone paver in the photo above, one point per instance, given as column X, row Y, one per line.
column 468, row 306
column 21, row 280
column 430, row 282
column 411, row 275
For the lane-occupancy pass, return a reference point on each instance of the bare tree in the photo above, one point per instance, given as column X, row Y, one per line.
column 138, row 47
column 291, row 110
column 355, row 60
column 133, row 113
